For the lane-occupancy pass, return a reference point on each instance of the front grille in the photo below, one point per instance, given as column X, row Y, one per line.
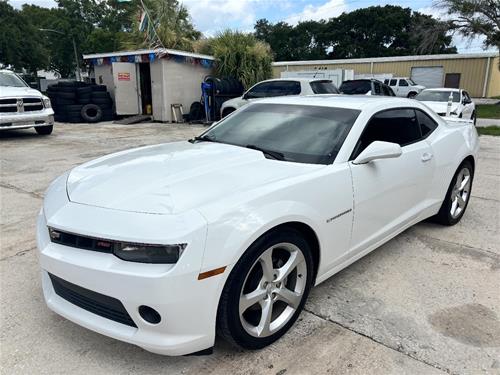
column 99, row 304
column 80, row 242
column 20, row 105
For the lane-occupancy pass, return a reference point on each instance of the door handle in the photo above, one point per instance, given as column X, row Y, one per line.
column 426, row 157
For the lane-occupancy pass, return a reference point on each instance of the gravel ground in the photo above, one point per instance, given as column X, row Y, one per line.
column 426, row 302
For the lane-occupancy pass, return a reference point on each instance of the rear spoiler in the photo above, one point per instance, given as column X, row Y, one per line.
column 454, row 121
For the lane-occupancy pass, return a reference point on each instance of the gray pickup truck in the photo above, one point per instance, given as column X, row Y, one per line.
column 22, row 107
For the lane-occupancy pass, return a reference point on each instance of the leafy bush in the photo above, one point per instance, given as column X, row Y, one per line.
column 239, row 55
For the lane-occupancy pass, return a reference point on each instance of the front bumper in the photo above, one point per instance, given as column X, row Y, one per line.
column 26, row 120
column 187, row 306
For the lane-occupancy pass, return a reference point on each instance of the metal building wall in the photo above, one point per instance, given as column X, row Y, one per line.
column 472, row 71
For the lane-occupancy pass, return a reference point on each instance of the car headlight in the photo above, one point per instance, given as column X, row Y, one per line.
column 148, row 253
column 46, row 102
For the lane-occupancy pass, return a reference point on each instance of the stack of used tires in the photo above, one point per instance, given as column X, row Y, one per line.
column 75, row 101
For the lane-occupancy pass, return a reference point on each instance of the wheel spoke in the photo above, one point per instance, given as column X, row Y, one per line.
column 264, row 327
column 460, row 201
column 266, row 262
column 295, row 259
column 454, row 206
column 250, row 299
column 464, row 183
column 289, row 297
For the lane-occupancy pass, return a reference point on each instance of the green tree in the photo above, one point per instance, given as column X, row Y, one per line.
column 168, row 25
column 20, row 42
column 240, row 55
column 475, row 17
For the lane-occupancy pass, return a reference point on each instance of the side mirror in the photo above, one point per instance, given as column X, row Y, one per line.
column 378, row 150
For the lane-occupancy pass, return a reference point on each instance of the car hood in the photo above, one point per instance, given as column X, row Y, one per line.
column 440, row 107
column 175, row 177
column 235, row 102
column 18, row 91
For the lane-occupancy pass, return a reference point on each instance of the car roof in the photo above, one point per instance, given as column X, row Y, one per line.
column 364, row 102
column 443, row 89
column 298, row 79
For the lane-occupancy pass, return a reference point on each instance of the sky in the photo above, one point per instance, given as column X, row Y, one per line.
column 211, row 16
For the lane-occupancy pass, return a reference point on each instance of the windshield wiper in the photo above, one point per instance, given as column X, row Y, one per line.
column 203, row 138
column 274, row 154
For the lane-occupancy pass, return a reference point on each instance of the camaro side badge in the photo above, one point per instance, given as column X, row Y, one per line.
column 339, row 215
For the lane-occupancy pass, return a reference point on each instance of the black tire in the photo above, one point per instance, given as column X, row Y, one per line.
column 73, row 108
column 412, row 94
column 91, row 113
column 74, row 118
column 66, row 89
column 66, row 95
column 80, row 91
column 67, row 83
column 102, row 102
column 84, row 101
column 61, row 102
column 98, row 88
column 229, row 325
column 444, row 215
column 44, row 130
column 61, row 117
column 100, row 95
column 227, row 111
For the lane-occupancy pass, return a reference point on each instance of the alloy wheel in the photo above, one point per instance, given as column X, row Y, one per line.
column 272, row 290
column 460, row 193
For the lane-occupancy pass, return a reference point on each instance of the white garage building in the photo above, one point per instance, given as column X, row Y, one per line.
column 151, row 81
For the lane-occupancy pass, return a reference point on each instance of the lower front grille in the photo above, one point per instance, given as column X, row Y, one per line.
column 99, row 304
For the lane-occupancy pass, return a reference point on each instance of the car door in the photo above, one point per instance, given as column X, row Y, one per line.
column 403, row 88
column 390, row 193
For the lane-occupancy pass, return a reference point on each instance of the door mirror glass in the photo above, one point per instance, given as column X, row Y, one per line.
column 378, row 150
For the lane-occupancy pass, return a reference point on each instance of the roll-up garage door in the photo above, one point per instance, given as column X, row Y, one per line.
column 428, row 76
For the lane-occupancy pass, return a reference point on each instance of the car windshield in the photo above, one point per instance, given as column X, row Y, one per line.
column 355, row 87
column 411, row 82
column 324, row 87
column 10, row 79
column 437, row 96
column 298, row 133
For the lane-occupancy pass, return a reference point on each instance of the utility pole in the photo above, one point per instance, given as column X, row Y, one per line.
column 77, row 60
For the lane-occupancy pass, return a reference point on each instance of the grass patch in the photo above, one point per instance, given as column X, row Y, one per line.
column 489, row 130
column 488, row 111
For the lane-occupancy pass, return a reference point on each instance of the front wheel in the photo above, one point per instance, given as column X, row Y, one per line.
column 44, row 130
column 412, row 95
column 266, row 290
column 457, row 196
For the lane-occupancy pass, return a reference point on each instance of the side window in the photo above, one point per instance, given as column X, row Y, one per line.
column 259, row 91
column 393, row 82
column 402, row 82
column 394, row 125
column 427, row 124
column 386, row 81
column 283, row 88
column 376, row 87
column 467, row 97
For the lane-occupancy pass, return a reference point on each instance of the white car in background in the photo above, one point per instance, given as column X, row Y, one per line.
column 404, row 87
column 22, row 107
column 279, row 87
column 462, row 105
column 229, row 231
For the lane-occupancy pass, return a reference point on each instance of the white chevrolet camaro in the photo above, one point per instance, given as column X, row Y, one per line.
column 164, row 246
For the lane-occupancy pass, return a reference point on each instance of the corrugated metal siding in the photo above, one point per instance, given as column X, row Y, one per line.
column 494, row 81
column 472, row 71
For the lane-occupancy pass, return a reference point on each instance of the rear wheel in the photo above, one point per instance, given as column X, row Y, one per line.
column 412, row 94
column 457, row 197
column 266, row 290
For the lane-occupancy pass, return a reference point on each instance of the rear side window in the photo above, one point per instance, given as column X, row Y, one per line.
column 376, row 87
column 427, row 124
column 402, row 82
column 355, row 87
column 386, row 81
column 324, row 87
column 394, row 125
column 393, row 82
column 274, row 88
